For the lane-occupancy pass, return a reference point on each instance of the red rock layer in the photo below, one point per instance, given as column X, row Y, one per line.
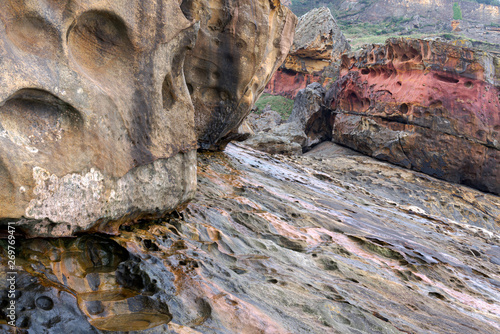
column 430, row 106
column 288, row 83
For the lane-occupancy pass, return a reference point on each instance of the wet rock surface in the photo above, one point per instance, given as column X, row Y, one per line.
column 426, row 105
column 329, row 242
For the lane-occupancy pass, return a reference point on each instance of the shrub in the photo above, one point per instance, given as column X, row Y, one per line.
column 457, row 12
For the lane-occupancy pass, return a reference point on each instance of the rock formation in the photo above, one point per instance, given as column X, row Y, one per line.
column 266, row 121
column 425, row 105
column 97, row 125
column 110, row 288
column 96, row 121
column 309, row 112
column 239, row 46
column 414, row 16
column 329, row 242
column 310, row 123
column 317, row 44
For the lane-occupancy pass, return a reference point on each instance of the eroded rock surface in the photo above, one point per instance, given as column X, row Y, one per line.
column 309, row 124
column 329, row 242
column 239, row 46
column 312, row 116
column 317, row 45
column 96, row 121
column 425, row 105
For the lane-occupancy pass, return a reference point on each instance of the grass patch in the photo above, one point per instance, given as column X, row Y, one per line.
column 278, row 103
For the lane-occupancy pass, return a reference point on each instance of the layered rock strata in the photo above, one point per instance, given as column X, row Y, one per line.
column 239, row 46
column 425, row 105
column 317, row 44
column 329, row 242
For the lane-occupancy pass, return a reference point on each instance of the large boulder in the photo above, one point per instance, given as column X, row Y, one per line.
column 239, row 46
column 287, row 138
column 426, row 105
column 317, row 46
column 96, row 121
column 266, row 121
column 311, row 116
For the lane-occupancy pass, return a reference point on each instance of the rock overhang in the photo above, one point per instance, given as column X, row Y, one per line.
column 97, row 122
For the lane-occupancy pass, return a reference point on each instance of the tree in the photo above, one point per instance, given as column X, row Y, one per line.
column 457, row 12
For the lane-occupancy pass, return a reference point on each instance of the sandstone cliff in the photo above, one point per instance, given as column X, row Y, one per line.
column 318, row 43
column 425, row 105
column 97, row 124
column 239, row 46
column 96, row 121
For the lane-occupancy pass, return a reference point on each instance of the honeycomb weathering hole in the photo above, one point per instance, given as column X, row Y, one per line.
column 38, row 117
column 353, row 102
column 445, row 78
column 34, row 35
column 98, row 39
column 404, row 108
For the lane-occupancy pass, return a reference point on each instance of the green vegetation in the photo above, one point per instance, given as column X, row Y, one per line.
column 361, row 33
column 457, row 12
column 278, row 103
column 448, row 37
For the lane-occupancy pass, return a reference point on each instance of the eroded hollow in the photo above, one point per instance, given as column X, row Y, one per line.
column 354, row 103
column 98, row 39
column 445, row 78
column 404, row 108
column 34, row 35
column 35, row 116
column 167, row 92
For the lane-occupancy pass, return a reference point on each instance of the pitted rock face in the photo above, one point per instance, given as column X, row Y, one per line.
column 96, row 121
column 239, row 46
column 425, row 105
column 110, row 288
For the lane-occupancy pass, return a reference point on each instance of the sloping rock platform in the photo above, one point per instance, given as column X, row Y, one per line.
column 329, row 242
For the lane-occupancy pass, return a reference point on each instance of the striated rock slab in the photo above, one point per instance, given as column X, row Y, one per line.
column 425, row 105
column 96, row 121
column 329, row 242
column 318, row 43
column 239, row 46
